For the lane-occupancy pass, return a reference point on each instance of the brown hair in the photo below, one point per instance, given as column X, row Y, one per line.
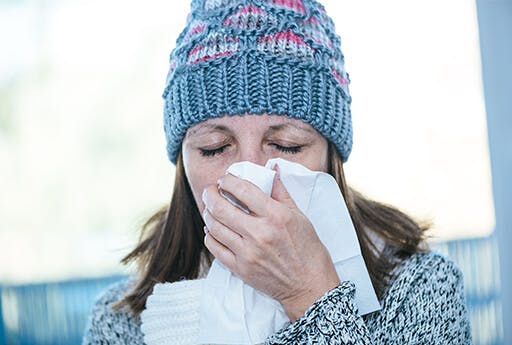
column 171, row 246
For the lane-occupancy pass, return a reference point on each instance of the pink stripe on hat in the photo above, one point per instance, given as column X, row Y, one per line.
column 296, row 5
column 287, row 35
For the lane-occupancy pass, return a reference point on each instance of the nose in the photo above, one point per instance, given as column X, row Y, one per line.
column 253, row 153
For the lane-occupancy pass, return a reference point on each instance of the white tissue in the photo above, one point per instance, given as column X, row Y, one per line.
column 232, row 312
column 262, row 177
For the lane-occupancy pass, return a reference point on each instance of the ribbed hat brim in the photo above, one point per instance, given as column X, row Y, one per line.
column 255, row 83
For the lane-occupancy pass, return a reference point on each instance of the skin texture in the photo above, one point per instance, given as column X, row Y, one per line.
column 274, row 248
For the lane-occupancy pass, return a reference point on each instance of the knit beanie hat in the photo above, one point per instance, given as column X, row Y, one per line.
column 239, row 57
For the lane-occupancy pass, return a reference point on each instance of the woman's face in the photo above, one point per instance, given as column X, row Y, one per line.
column 210, row 147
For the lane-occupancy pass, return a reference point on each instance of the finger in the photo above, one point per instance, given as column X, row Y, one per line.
column 279, row 191
column 220, row 251
column 246, row 192
column 224, row 212
column 229, row 238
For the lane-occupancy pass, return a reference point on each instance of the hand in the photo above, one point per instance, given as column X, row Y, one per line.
column 275, row 248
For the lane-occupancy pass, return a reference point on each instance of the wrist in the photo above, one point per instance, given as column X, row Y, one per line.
column 296, row 305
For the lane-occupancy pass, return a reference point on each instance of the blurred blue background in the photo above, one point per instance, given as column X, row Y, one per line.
column 82, row 152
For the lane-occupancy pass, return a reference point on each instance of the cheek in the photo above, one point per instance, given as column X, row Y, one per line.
column 197, row 186
column 200, row 176
column 318, row 163
column 317, row 158
column 323, row 153
column 324, row 159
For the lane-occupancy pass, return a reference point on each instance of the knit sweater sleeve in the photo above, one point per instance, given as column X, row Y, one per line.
column 425, row 304
column 107, row 325
column 333, row 319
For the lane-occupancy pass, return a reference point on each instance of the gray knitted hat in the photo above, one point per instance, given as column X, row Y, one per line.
column 238, row 57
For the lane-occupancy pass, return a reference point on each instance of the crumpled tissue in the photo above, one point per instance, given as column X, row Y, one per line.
column 232, row 312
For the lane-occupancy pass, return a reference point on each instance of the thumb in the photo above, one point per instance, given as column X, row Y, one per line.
column 279, row 191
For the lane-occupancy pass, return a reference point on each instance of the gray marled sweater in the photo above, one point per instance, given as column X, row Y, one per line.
column 423, row 305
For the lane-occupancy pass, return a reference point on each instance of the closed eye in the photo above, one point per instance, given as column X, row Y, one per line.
column 212, row 152
column 219, row 150
column 288, row 149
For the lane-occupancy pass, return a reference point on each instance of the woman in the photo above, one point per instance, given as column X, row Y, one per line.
column 250, row 81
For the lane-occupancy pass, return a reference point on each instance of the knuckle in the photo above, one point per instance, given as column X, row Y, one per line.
column 280, row 219
column 215, row 229
column 206, row 216
column 207, row 241
column 266, row 238
column 224, row 258
column 251, row 259
column 243, row 189
column 217, row 210
column 207, row 192
column 228, row 180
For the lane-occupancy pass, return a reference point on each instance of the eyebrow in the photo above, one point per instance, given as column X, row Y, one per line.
column 273, row 128
column 208, row 126
column 276, row 128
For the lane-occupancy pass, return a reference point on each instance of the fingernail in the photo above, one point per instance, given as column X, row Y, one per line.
column 203, row 196
column 276, row 169
column 205, row 229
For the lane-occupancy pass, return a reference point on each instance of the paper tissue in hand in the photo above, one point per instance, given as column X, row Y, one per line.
column 232, row 312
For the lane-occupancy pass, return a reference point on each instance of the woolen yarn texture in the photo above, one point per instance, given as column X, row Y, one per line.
column 239, row 57
column 424, row 304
